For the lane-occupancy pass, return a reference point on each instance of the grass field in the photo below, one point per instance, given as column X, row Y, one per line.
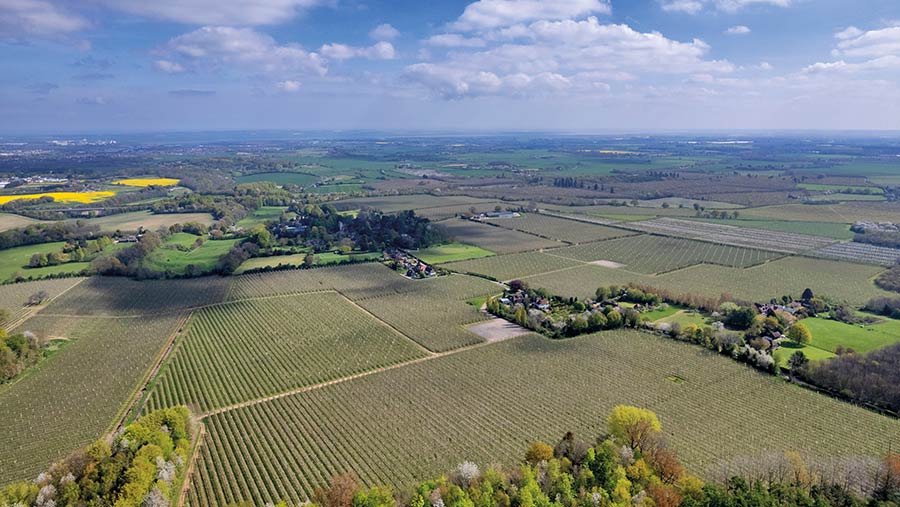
column 206, row 257
column 241, row 351
column 62, row 197
column 74, row 397
column 14, row 261
column 783, row 353
column 146, row 182
column 661, row 313
column 261, row 215
column 10, row 221
column 495, row 239
column 829, row 334
column 496, row 399
column 321, row 259
column 134, row 220
column 451, row 252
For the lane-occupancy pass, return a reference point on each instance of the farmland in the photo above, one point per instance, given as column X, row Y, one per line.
column 655, row 254
column 451, row 252
column 11, row 221
column 323, row 259
column 507, row 267
column 787, row 276
column 14, row 296
column 495, row 239
column 559, row 229
column 203, row 258
column 83, row 390
column 833, row 230
column 830, row 334
column 14, row 262
column 146, row 182
column 62, row 197
column 105, row 296
column 150, row 221
column 281, row 178
column 274, row 345
column 860, row 252
column 729, row 235
column 286, row 447
column 261, row 215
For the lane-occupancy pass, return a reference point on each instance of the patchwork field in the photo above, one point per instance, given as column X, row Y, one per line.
column 729, row 235
column 787, row 276
column 112, row 296
column 501, row 397
column 297, row 260
column 657, row 254
column 508, row 267
column 495, row 239
column 848, row 213
column 14, row 296
column 82, row 391
column 559, row 229
column 860, row 252
column 415, row 202
column 245, row 350
column 261, row 215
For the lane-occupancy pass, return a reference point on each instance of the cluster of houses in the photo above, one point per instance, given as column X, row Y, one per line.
column 495, row 214
column 410, row 266
column 522, row 298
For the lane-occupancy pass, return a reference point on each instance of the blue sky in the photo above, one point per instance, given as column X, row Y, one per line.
column 574, row 65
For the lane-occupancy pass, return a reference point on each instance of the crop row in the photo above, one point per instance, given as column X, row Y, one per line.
column 14, row 297
column 122, row 296
column 74, row 396
column 561, row 229
column 495, row 239
column 841, row 281
column 657, row 254
column 860, row 252
column 508, row 267
column 252, row 349
column 354, row 281
column 730, row 235
column 412, row 423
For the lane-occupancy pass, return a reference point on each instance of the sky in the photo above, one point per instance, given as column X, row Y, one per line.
column 424, row 65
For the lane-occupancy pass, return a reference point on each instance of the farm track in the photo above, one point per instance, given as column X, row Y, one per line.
column 192, row 463
column 316, row 387
column 418, row 345
column 31, row 312
column 154, row 371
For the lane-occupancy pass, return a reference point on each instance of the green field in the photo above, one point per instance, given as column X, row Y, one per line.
column 261, row 215
column 82, row 390
column 503, row 396
column 495, row 239
column 839, row 188
column 661, row 313
column 14, row 262
column 321, row 259
column 241, row 351
column 829, row 334
column 684, row 318
column 783, row 353
column 205, row 257
column 451, row 252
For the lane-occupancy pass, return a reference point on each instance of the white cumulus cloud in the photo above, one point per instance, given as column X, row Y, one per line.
column 485, row 14
column 215, row 12
column 384, row 31
column 738, row 30
column 38, row 18
column 455, row 40
column 382, row 50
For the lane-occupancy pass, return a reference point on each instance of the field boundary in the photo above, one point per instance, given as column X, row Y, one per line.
column 321, row 385
column 135, row 406
column 192, row 462
column 34, row 310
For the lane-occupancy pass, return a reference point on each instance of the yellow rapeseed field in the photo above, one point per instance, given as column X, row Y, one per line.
column 78, row 197
column 146, row 182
